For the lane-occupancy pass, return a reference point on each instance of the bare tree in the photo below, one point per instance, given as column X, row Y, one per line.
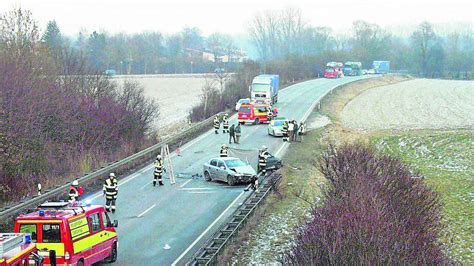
column 208, row 90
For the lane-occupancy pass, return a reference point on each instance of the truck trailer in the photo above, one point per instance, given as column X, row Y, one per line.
column 381, row 67
column 264, row 89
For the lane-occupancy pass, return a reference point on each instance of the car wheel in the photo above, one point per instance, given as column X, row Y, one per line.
column 230, row 180
column 207, row 176
column 257, row 121
column 113, row 254
column 80, row 263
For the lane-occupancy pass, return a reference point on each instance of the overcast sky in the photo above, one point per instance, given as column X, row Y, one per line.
column 230, row 16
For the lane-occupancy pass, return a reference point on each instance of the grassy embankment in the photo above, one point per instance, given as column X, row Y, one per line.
column 444, row 158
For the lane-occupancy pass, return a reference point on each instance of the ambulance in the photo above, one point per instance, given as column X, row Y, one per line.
column 254, row 113
column 71, row 233
column 18, row 250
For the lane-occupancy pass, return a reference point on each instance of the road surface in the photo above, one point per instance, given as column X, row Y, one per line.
column 165, row 225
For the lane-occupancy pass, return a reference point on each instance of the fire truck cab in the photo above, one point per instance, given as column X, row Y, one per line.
column 71, row 234
column 255, row 113
column 18, row 250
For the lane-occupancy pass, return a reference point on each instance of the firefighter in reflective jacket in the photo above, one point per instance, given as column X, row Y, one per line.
column 269, row 114
column 262, row 160
column 158, row 174
column 286, row 135
column 74, row 191
column 224, row 151
column 225, row 123
column 217, row 124
column 110, row 192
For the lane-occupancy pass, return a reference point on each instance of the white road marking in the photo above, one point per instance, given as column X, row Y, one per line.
column 146, row 185
column 196, row 188
column 207, row 230
column 200, row 192
column 185, row 183
column 281, row 148
column 147, row 210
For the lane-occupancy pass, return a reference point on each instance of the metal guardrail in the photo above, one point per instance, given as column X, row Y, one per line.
column 145, row 154
column 208, row 254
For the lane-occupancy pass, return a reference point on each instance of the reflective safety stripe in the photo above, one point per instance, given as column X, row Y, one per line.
column 89, row 242
column 58, row 247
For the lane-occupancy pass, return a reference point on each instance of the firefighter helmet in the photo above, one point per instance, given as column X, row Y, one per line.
column 111, row 175
column 75, row 182
column 158, row 157
column 264, row 148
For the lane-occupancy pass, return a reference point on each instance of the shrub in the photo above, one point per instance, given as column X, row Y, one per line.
column 374, row 213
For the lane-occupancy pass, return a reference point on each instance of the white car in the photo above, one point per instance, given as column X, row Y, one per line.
column 228, row 169
column 240, row 102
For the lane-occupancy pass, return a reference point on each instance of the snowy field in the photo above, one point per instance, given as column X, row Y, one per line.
column 413, row 104
column 175, row 93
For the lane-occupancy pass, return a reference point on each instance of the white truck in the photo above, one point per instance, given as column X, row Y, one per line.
column 264, row 89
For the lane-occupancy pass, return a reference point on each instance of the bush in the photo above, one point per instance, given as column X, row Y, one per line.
column 57, row 117
column 374, row 213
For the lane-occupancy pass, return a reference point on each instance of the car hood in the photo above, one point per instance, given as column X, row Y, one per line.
column 246, row 169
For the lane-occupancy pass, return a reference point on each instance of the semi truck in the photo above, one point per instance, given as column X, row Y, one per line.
column 264, row 89
column 352, row 68
column 381, row 67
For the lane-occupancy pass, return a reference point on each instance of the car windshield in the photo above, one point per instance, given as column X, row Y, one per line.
column 329, row 70
column 244, row 110
column 278, row 123
column 244, row 101
column 235, row 163
column 260, row 87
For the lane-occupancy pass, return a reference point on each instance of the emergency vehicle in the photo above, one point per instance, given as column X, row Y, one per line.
column 73, row 233
column 17, row 249
column 333, row 70
column 254, row 113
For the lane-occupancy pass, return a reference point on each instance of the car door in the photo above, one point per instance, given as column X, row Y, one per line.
column 221, row 173
column 99, row 247
column 212, row 168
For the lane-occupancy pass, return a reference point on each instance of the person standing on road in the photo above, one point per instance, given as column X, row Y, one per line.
column 262, row 161
column 225, row 124
column 237, row 133
column 74, row 191
column 217, row 124
column 224, row 151
column 232, row 134
column 110, row 190
column 158, row 173
column 295, row 131
column 269, row 114
column 291, row 127
column 302, row 130
column 285, row 131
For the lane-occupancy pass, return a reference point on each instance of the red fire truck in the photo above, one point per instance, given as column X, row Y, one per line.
column 71, row 233
column 18, row 250
column 333, row 70
column 255, row 113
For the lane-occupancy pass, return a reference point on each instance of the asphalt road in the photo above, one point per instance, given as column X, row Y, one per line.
column 165, row 225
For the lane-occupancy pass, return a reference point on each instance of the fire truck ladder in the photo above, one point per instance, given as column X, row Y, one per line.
column 165, row 152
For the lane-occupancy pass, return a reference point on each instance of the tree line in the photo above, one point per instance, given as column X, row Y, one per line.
column 286, row 34
column 147, row 52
